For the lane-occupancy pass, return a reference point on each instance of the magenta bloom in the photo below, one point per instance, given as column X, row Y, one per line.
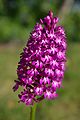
column 42, row 62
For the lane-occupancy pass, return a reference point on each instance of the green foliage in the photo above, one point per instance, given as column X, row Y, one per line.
column 10, row 31
column 72, row 26
column 18, row 16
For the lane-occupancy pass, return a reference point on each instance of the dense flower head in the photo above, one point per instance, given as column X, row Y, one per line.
column 42, row 62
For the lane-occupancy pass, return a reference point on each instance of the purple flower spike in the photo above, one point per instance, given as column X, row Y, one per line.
column 42, row 62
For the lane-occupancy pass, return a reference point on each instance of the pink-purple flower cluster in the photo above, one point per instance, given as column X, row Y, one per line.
column 42, row 62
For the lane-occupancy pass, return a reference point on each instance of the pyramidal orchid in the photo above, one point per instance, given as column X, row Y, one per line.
column 42, row 63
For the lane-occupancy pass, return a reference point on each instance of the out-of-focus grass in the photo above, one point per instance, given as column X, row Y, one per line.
column 65, row 107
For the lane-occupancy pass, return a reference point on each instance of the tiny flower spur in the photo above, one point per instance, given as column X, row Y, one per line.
column 42, row 62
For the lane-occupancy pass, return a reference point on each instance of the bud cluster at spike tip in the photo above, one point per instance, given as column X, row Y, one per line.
column 42, row 62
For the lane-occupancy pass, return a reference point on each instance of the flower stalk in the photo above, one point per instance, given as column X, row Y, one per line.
column 33, row 112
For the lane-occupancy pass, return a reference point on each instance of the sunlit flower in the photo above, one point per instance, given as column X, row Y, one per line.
column 42, row 62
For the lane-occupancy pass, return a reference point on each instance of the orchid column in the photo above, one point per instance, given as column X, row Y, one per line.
column 42, row 63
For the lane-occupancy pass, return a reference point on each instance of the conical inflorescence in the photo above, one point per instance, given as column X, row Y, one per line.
column 42, row 62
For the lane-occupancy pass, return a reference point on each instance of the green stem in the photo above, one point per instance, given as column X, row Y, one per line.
column 32, row 112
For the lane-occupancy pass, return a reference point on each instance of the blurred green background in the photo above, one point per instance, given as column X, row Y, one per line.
column 17, row 19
